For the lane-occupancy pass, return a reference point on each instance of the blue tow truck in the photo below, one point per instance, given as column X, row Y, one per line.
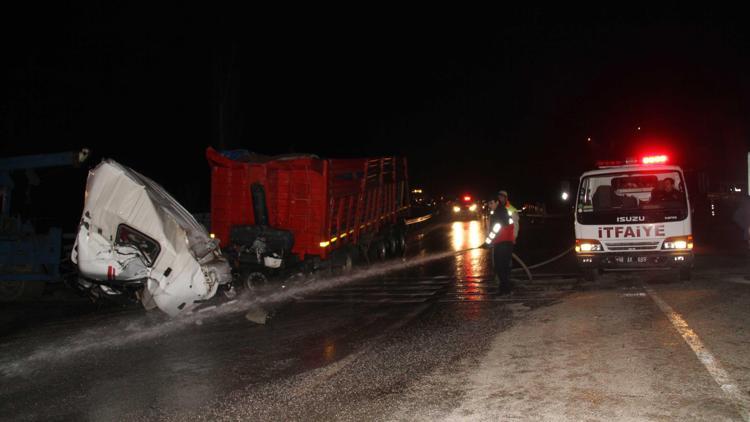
column 29, row 260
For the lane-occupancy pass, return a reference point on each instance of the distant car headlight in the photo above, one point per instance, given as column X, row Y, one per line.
column 456, row 208
column 473, row 207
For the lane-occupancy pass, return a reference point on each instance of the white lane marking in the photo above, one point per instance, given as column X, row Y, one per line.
column 633, row 294
column 738, row 280
column 736, row 396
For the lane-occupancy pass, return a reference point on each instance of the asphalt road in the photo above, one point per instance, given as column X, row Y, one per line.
column 420, row 339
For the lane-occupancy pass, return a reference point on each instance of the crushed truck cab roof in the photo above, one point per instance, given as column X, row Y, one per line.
column 134, row 237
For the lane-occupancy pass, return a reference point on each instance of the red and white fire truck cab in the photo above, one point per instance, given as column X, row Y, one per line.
column 631, row 215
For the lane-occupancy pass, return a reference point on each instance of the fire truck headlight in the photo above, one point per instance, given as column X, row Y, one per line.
column 456, row 208
column 588, row 245
column 682, row 242
column 473, row 207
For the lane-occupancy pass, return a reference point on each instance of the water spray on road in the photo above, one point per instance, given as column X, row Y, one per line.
column 129, row 330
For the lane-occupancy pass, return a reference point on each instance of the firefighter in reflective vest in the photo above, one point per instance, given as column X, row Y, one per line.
column 502, row 236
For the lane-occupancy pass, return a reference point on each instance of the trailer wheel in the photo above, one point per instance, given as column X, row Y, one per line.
column 378, row 251
column 341, row 260
column 400, row 242
column 391, row 244
column 347, row 263
column 255, row 282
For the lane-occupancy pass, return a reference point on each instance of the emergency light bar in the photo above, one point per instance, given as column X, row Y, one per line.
column 656, row 159
column 653, row 159
column 616, row 163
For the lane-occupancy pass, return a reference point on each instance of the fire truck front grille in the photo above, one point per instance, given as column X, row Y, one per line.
column 633, row 246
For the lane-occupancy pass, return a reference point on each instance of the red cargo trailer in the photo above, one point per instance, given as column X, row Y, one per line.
column 303, row 208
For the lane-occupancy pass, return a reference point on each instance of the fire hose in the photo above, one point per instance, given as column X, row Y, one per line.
column 524, row 267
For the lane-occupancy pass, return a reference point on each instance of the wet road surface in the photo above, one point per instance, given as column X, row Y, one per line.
column 422, row 340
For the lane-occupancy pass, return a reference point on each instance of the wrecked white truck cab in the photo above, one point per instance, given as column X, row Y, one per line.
column 135, row 240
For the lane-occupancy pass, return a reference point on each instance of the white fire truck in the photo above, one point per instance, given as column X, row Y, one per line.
column 633, row 214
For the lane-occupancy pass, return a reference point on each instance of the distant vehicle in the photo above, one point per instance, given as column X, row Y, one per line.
column 634, row 215
column 466, row 207
column 419, row 198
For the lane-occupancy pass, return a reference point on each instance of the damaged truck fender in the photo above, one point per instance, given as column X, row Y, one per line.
column 135, row 240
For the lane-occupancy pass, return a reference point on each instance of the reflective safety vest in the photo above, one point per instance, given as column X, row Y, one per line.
column 503, row 225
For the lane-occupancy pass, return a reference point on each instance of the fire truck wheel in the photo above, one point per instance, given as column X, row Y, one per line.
column 591, row 274
column 686, row 274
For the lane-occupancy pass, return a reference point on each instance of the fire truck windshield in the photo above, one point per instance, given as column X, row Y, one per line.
column 653, row 196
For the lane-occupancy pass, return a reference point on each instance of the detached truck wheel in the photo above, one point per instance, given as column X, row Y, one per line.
column 255, row 282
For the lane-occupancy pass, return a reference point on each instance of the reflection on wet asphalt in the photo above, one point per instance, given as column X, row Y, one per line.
column 184, row 370
column 405, row 344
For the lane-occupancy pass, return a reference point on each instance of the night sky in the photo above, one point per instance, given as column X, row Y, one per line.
column 505, row 102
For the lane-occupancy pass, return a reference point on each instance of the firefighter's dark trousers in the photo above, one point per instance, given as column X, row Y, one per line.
column 502, row 259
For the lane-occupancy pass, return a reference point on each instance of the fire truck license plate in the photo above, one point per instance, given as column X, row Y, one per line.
column 631, row 259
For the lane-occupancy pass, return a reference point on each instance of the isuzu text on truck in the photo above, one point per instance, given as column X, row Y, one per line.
column 633, row 215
